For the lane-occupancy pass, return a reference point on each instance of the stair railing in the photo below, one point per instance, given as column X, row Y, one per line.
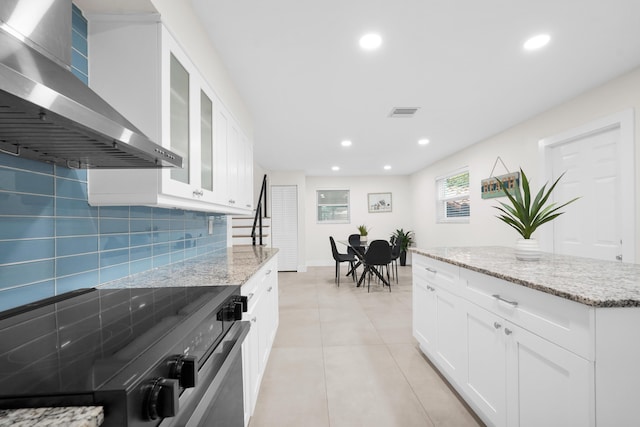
column 257, row 220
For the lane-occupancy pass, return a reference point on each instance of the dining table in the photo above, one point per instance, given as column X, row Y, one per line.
column 359, row 251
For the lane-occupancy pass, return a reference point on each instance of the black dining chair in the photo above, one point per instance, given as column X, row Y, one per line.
column 376, row 258
column 395, row 254
column 355, row 248
column 340, row 258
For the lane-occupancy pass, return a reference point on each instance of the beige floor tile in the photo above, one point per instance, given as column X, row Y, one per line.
column 345, row 357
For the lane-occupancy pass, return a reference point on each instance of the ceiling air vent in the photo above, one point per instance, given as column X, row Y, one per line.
column 403, row 111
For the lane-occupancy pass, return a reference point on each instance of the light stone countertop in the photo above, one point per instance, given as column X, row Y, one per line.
column 81, row 416
column 588, row 281
column 233, row 266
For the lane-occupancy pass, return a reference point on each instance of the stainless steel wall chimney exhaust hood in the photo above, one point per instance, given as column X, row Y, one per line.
column 47, row 113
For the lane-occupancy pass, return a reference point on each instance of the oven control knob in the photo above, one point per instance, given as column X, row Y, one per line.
column 231, row 311
column 161, row 400
column 185, row 370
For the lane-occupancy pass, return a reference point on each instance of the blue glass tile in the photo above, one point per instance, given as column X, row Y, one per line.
column 139, row 225
column 66, row 266
column 26, row 250
column 113, row 273
column 159, row 225
column 73, row 207
column 141, row 265
column 77, row 281
column 26, row 164
column 77, row 174
column 140, row 212
column 79, row 42
column 160, row 213
column 177, row 214
column 190, row 253
column 30, row 272
column 83, row 77
column 76, row 226
column 108, row 258
column 177, row 246
column 140, row 239
column 176, row 224
column 25, row 205
column 140, row 252
column 76, row 245
column 163, row 237
column 79, row 61
column 161, row 260
column 114, row 241
column 26, row 228
column 18, row 181
column 177, row 256
column 114, row 212
column 15, row 297
column 71, row 189
column 110, row 226
column 78, row 21
column 161, row 248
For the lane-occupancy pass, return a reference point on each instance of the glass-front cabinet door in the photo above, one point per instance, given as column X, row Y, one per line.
column 179, row 117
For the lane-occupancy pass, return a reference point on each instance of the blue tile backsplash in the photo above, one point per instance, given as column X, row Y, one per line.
column 52, row 241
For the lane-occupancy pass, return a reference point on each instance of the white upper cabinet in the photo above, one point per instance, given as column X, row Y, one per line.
column 139, row 68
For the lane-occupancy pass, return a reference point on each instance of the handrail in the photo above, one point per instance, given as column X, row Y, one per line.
column 257, row 220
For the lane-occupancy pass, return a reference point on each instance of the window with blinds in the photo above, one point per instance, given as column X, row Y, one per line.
column 333, row 206
column 453, row 197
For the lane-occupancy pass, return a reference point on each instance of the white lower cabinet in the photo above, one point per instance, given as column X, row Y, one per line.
column 509, row 375
column 262, row 293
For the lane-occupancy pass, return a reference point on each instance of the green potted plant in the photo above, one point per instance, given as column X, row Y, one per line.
column 525, row 214
column 364, row 231
column 404, row 239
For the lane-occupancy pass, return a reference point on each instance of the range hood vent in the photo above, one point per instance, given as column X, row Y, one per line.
column 47, row 113
column 403, row 112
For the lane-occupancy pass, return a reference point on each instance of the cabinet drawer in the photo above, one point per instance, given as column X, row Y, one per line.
column 567, row 323
column 258, row 283
column 436, row 272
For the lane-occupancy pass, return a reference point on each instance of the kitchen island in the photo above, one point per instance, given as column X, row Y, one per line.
column 549, row 342
column 254, row 269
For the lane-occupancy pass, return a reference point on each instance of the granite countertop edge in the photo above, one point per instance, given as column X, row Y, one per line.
column 586, row 281
column 70, row 416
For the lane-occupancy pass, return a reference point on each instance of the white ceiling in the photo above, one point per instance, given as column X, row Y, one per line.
column 299, row 68
column 308, row 85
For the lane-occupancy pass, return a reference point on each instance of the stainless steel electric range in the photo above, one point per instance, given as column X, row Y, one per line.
column 149, row 356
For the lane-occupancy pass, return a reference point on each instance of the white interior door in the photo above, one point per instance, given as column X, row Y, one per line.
column 597, row 170
column 284, row 225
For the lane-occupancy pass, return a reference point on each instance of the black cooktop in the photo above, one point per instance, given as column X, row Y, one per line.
column 82, row 340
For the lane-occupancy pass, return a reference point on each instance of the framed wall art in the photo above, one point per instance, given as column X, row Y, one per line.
column 379, row 202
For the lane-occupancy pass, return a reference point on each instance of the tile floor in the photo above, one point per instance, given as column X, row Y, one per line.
column 345, row 357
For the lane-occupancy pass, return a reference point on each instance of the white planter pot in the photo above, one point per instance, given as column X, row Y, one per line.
column 527, row 250
column 363, row 239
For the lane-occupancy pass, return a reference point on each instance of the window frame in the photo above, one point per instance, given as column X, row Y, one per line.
column 441, row 200
column 333, row 221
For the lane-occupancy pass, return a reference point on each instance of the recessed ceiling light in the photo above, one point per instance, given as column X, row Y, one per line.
column 423, row 141
column 370, row 41
column 387, row 167
column 346, row 143
column 335, row 168
column 536, row 42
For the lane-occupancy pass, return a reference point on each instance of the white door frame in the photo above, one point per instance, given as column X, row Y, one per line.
column 623, row 120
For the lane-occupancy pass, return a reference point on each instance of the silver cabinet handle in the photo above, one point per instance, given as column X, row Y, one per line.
column 254, row 319
column 431, row 270
column 250, row 296
column 268, row 272
column 508, row 331
column 497, row 325
column 270, row 288
column 506, row 301
column 432, row 289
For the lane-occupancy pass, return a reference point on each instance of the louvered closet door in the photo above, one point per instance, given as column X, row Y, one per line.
column 284, row 225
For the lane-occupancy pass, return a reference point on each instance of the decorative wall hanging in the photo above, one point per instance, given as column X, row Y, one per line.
column 379, row 202
column 489, row 187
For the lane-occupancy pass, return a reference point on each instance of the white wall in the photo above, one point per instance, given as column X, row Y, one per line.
column 518, row 147
column 382, row 225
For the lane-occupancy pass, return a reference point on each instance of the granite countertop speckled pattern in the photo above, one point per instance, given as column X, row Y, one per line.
column 584, row 280
column 232, row 267
column 81, row 416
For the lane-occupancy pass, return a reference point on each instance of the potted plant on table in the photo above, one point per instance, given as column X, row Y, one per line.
column 364, row 231
column 525, row 214
column 404, row 239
